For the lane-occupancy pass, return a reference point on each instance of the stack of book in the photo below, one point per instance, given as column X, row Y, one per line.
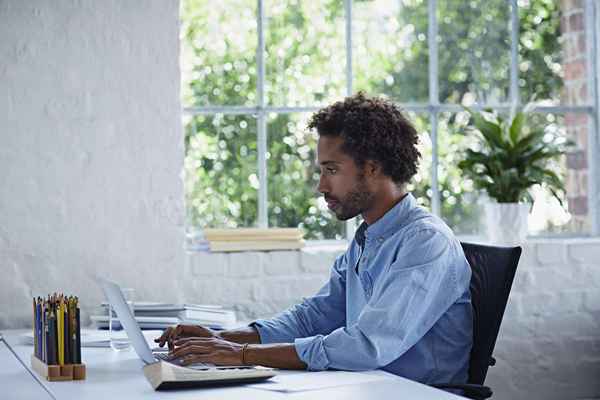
column 248, row 239
column 152, row 315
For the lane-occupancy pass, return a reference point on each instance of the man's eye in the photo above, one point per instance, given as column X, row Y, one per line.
column 331, row 171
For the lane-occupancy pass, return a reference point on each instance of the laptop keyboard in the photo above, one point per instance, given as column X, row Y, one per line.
column 164, row 356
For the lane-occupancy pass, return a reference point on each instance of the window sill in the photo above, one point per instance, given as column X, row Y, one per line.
column 341, row 245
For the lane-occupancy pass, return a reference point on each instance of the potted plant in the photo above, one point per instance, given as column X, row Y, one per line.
column 509, row 158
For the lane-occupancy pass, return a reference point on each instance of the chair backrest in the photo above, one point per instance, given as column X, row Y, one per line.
column 493, row 270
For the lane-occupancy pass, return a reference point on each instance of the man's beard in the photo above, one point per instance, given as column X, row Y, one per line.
column 356, row 201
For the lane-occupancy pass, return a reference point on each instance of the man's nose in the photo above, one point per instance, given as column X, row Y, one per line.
column 322, row 187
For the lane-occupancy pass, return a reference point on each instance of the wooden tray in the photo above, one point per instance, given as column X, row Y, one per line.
column 67, row 372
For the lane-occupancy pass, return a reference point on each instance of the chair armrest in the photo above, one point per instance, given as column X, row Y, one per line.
column 470, row 390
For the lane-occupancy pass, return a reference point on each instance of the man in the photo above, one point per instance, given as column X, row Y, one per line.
column 398, row 299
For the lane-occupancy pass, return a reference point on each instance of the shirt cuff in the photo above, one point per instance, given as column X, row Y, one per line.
column 311, row 351
column 269, row 332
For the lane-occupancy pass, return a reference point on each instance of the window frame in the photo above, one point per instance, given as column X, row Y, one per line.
column 433, row 107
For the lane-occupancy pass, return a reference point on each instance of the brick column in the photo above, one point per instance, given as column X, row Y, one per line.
column 575, row 92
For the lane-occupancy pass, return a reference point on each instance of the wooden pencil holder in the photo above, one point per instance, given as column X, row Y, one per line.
column 67, row 372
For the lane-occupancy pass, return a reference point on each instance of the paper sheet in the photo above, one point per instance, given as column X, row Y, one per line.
column 305, row 381
column 95, row 338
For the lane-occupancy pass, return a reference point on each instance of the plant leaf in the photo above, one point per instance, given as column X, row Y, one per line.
column 516, row 126
column 492, row 132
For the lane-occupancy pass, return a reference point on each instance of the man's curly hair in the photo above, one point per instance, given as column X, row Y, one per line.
column 373, row 129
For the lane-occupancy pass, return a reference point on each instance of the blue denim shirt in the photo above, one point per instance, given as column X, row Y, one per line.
column 397, row 300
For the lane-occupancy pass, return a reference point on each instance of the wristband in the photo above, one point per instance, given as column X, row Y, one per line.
column 244, row 353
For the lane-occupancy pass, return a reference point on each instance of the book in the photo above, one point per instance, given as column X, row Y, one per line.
column 152, row 323
column 248, row 239
column 256, row 245
column 164, row 376
column 197, row 313
column 253, row 234
column 101, row 322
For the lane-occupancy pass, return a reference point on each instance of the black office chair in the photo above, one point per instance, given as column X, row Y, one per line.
column 493, row 270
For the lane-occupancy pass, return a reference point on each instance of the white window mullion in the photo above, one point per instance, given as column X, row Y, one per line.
column 261, row 121
column 592, row 33
column 351, row 223
column 514, row 94
column 433, row 104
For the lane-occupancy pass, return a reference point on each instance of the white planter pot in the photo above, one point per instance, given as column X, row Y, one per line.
column 506, row 223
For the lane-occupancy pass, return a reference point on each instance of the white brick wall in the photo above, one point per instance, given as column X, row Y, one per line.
column 549, row 343
column 257, row 284
column 91, row 150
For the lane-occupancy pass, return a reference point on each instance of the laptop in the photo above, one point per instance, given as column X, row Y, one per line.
column 220, row 373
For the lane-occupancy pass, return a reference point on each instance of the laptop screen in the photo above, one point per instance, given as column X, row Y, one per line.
column 115, row 297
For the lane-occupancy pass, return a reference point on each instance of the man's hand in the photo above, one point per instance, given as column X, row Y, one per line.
column 218, row 351
column 207, row 350
column 174, row 333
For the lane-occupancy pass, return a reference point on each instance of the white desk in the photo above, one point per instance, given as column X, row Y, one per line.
column 112, row 375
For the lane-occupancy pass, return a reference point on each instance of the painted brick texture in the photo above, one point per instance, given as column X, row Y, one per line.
column 91, row 150
column 549, row 343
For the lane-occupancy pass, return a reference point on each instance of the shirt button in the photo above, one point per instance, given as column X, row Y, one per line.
column 380, row 239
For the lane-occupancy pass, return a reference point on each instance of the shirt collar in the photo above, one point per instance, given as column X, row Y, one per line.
column 390, row 219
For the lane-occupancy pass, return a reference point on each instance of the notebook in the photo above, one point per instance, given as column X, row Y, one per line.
column 167, row 375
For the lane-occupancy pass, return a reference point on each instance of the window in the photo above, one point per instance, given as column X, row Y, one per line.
column 253, row 72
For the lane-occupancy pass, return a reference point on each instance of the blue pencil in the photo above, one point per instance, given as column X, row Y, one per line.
column 35, row 327
column 38, row 327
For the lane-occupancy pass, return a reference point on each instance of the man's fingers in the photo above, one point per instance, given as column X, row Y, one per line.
column 189, row 349
column 179, row 331
column 182, row 341
column 199, row 340
column 195, row 358
column 164, row 337
column 170, row 334
column 174, row 334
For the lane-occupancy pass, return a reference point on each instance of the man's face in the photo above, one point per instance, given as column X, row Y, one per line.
column 342, row 183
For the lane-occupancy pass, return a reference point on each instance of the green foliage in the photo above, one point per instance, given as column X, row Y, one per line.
column 511, row 157
column 305, row 66
column 540, row 50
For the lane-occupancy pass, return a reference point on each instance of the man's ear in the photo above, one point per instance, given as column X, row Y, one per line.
column 372, row 168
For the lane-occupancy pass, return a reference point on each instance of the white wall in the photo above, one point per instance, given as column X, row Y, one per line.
column 257, row 284
column 549, row 342
column 90, row 149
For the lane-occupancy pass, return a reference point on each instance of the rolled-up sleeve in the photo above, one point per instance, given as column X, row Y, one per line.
column 319, row 314
column 408, row 298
